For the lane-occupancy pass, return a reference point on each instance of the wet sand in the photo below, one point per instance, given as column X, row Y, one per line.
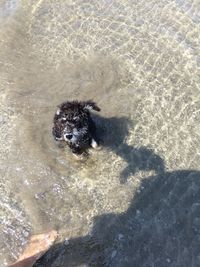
column 136, row 201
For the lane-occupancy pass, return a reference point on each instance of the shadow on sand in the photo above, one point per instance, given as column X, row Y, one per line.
column 112, row 133
column 160, row 228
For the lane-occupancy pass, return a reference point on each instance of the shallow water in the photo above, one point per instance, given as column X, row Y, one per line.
column 135, row 202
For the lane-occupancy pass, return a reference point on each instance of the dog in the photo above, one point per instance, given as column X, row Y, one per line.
column 73, row 124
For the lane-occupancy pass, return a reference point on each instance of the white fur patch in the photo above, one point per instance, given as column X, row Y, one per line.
column 58, row 112
column 94, row 144
column 59, row 139
column 81, row 131
column 89, row 107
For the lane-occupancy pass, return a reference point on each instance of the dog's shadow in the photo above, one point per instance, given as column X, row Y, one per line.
column 112, row 134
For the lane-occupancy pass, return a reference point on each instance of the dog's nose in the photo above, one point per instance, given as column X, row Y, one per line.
column 68, row 136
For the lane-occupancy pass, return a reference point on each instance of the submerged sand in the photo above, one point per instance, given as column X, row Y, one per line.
column 136, row 201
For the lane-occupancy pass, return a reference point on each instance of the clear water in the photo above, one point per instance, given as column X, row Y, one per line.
column 136, row 201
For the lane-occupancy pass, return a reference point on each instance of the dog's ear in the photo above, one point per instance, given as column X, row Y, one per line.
column 90, row 105
column 56, row 130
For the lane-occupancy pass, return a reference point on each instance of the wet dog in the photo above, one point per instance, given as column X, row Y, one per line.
column 73, row 124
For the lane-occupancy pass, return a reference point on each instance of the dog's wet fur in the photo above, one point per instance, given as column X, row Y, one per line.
column 74, row 125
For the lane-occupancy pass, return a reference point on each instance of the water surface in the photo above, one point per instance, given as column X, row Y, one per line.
column 134, row 202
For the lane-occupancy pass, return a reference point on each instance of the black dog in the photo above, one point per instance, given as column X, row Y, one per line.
column 73, row 124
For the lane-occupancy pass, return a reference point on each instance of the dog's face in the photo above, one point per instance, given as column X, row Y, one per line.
column 71, row 120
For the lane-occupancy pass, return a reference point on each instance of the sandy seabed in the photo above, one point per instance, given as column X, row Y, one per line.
column 136, row 201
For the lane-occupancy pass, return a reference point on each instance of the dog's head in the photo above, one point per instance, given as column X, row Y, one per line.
column 71, row 120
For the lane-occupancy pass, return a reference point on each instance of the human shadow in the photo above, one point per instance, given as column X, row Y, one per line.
column 161, row 227
column 112, row 133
